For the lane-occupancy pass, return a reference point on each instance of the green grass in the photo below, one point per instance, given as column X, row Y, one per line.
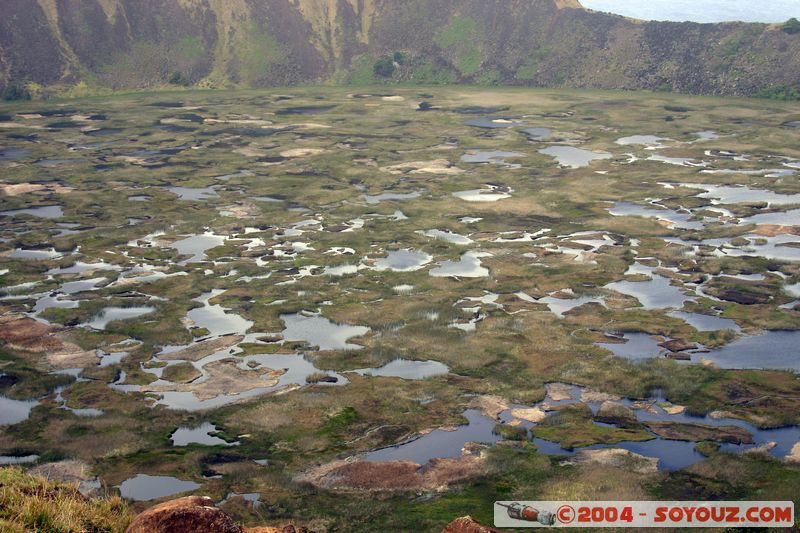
column 29, row 503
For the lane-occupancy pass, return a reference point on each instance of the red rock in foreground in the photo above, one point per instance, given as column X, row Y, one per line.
column 193, row 513
column 466, row 524
column 198, row 514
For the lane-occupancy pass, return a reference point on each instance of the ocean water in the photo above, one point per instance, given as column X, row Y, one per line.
column 700, row 10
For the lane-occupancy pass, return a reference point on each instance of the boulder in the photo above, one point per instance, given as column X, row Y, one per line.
column 491, row 406
column 197, row 514
column 559, row 391
column 534, row 414
column 466, row 524
column 678, row 345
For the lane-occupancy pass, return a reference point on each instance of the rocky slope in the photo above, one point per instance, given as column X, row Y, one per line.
column 144, row 43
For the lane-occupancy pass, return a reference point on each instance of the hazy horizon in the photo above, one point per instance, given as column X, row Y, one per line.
column 700, row 10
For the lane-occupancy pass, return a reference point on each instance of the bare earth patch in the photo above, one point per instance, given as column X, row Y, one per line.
column 28, row 336
column 224, row 377
column 203, row 349
column 437, row 475
column 435, row 166
column 616, row 457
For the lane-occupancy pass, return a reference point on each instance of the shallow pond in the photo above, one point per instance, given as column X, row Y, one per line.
column 492, row 122
column 143, row 487
column 780, row 218
column 638, row 347
column 447, row 236
column 571, row 157
column 537, row 134
column 674, row 218
column 196, row 246
column 770, row 350
column 296, row 371
column 194, row 194
column 79, row 267
column 496, row 157
column 702, row 322
column 317, row 330
column 110, row 314
column 199, row 435
column 44, row 211
column 655, row 293
column 671, row 454
column 15, row 411
column 679, row 161
column 732, row 194
column 391, row 196
column 403, row 261
column 405, row 369
column 35, row 255
column 12, row 153
column 469, row 266
column 440, row 443
column 647, row 140
column 560, row 306
column 215, row 318
column 489, row 194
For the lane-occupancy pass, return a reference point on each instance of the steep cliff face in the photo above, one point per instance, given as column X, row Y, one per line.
column 145, row 43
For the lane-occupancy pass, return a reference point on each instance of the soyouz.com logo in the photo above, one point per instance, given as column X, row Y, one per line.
column 520, row 514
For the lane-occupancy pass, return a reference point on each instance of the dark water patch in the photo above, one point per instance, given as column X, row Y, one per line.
column 203, row 435
column 57, row 162
column 771, row 350
column 48, row 113
column 440, row 443
column 245, row 132
column 191, row 117
column 63, row 125
column 175, row 128
column 143, row 487
column 492, row 122
column 656, row 293
column 702, row 322
column 23, row 136
column 304, row 110
column 404, row 369
column 637, row 347
column 166, row 104
column 101, row 132
column 7, row 380
column 44, row 211
column 272, row 160
column 12, row 153
column 480, row 110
